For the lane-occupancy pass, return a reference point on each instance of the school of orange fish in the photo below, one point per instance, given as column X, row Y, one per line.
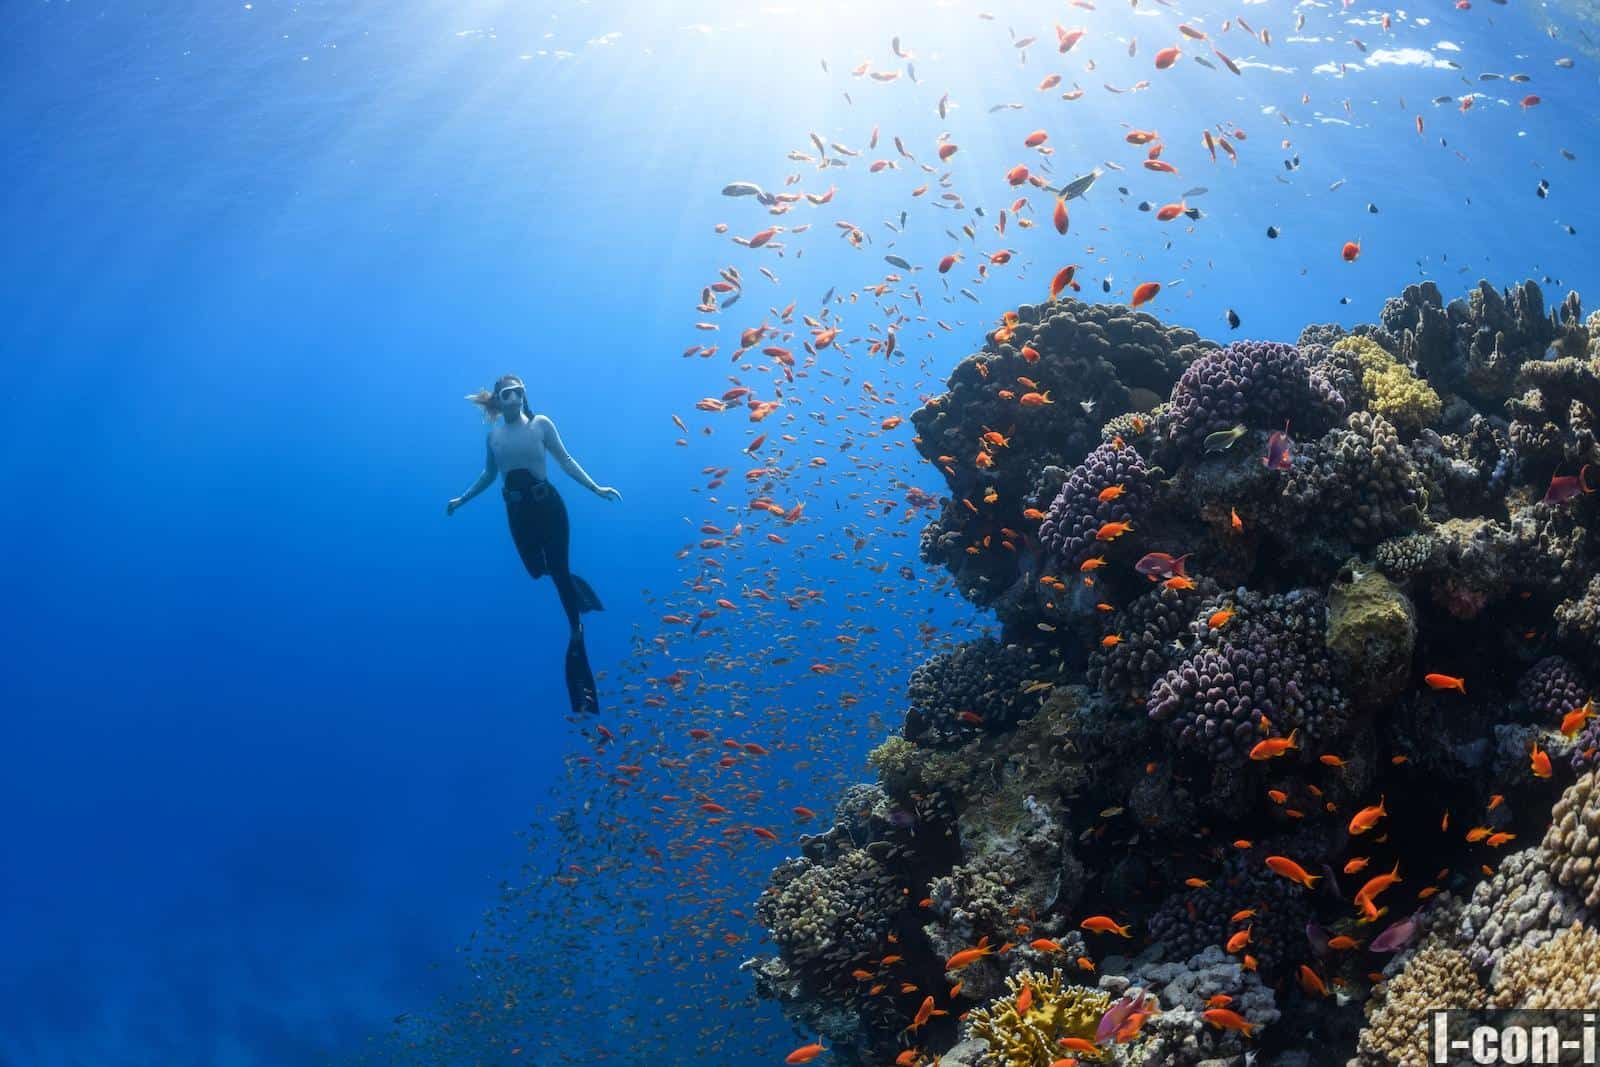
column 755, row 691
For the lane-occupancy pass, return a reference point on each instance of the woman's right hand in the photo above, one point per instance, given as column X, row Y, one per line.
column 450, row 508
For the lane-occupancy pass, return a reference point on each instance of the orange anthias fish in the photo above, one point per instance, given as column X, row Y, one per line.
column 1367, row 818
column 1145, row 292
column 1540, row 761
column 1378, row 884
column 1238, row 941
column 1311, row 982
column 968, row 956
column 1446, row 681
column 1111, row 492
column 805, row 1053
column 1104, row 924
column 1228, row 1019
column 1220, row 618
column 1063, row 281
column 1356, row 865
column 1351, row 251
column 1573, row 720
column 1059, row 217
column 1272, row 747
column 1112, row 530
column 1293, row 871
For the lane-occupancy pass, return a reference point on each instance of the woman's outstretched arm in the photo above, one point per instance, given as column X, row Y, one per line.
column 553, row 445
column 485, row 480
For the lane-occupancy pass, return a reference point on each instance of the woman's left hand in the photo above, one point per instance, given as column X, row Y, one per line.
column 605, row 492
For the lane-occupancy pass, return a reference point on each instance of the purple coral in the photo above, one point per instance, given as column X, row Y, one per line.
column 1192, row 919
column 1274, row 665
column 1262, row 383
column 1551, row 688
column 1078, row 513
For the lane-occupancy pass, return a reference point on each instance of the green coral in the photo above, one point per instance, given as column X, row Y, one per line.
column 1390, row 388
column 1372, row 631
column 1031, row 1039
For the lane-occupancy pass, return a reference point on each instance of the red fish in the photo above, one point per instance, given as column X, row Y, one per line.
column 1446, row 681
column 1065, row 39
column 1145, row 292
column 1280, row 456
column 1159, row 565
column 1566, row 486
column 1063, row 280
column 1167, row 57
column 1351, row 251
column 1059, row 216
column 1530, row 101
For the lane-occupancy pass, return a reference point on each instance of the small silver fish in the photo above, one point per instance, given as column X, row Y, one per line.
column 897, row 261
column 742, row 189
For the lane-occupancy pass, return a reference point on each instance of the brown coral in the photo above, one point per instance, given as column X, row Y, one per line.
column 1563, row 972
column 1397, row 1016
column 1573, row 841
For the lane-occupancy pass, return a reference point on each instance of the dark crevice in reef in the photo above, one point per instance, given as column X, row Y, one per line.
column 1181, row 588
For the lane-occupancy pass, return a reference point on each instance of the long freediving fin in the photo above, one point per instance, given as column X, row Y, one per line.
column 588, row 599
column 580, row 679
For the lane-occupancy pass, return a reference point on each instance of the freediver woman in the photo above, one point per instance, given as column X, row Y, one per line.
column 519, row 443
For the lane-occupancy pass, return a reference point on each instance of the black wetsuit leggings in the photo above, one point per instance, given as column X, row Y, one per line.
column 541, row 530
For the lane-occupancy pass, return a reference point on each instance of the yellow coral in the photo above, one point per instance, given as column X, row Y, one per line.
column 1390, row 388
column 1031, row 1039
column 1564, row 972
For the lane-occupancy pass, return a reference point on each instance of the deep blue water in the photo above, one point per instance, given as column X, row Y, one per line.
column 272, row 721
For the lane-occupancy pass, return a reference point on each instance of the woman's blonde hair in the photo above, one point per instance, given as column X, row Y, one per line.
column 488, row 400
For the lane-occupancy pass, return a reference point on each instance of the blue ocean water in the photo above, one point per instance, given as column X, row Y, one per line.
column 274, row 722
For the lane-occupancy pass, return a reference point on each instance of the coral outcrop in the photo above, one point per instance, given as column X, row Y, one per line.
column 1277, row 733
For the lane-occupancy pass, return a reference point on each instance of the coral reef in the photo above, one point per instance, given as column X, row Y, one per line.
column 1275, row 737
column 1095, row 361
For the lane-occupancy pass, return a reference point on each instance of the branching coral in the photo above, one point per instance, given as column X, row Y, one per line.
column 1031, row 1038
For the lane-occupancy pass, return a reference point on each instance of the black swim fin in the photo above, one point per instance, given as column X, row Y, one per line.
column 580, row 679
column 588, row 599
